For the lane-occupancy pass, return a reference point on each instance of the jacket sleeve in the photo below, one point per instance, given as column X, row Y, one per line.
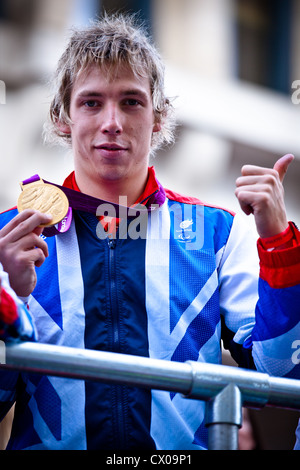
column 15, row 325
column 238, row 281
column 276, row 336
column 15, row 319
column 260, row 293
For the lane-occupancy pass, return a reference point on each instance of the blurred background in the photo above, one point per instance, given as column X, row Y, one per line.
column 232, row 67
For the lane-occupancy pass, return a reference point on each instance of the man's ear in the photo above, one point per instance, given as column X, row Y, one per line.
column 156, row 127
column 63, row 127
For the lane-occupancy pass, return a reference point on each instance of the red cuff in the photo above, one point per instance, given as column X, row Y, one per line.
column 280, row 240
column 8, row 309
column 281, row 267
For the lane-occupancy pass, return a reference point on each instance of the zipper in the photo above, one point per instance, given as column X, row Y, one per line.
column 146, row 199
column 113, row 296
column 118, row 408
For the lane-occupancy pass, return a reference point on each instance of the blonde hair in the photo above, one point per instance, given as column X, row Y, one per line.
column 110, row 41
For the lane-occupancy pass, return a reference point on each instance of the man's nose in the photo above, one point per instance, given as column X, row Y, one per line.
column 111, row 120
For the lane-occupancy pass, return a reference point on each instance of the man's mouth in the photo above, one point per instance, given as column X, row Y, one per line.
column 110, row 147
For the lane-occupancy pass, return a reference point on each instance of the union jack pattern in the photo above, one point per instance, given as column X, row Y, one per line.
column 170, row 296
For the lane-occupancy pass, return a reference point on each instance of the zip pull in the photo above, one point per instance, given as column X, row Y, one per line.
column 111, row 243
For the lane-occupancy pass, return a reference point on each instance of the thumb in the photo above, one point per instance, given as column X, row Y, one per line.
column 281, row 166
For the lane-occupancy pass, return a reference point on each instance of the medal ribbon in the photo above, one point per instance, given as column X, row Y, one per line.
column 84, row 202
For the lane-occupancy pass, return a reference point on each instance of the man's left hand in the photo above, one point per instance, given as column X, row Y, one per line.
column 260, row 192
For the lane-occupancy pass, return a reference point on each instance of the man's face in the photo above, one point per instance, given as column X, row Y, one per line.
column 112, row 125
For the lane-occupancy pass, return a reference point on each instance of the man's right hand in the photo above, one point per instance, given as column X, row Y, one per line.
column 22, row 249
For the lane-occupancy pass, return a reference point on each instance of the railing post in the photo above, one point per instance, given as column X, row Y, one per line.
column 224, row 418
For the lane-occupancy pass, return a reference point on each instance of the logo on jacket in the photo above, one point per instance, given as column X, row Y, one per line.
column 186, row 223
column 183, row 234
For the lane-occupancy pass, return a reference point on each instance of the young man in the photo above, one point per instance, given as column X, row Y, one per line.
column 167, row 289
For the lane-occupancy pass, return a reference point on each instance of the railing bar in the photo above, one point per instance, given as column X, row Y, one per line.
column 99, row 366
column 196, row 380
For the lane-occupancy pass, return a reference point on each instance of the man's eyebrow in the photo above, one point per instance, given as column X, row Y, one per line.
column 135, row 92
column 85, row 93
column 130, row 92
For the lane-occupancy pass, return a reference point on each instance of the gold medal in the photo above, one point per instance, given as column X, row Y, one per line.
column 45, row 198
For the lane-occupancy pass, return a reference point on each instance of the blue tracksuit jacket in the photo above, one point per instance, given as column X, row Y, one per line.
column 168, row 289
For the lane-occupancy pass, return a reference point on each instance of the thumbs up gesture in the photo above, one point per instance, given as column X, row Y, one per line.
column 260, row 192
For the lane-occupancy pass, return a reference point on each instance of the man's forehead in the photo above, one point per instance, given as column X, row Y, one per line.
column 110, row 73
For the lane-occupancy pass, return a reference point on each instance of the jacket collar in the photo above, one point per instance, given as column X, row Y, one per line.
column 153, row 194
column 152, row 197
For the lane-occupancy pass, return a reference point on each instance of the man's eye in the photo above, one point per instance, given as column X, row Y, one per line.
column 131, row 102
column 90, row 103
